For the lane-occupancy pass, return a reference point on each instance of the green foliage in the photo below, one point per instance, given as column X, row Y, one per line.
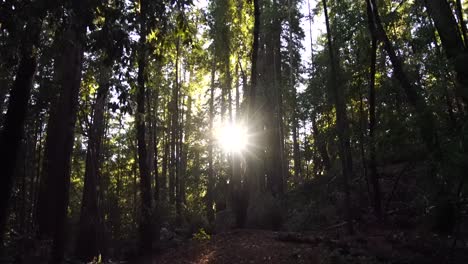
column 201, row 235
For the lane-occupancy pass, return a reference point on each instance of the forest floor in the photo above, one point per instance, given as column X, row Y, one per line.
column 261, row 246
column 241, row 246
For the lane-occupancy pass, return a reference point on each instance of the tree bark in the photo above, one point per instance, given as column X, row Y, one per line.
column 295, row 122
column 210, row 186
column 452, row 42
column 174, row 108
column 253, row 127
column 374, row 178
column 163, row 181
column 337, row 90
column 236, row 191
column 13, row 128
column 377, row 201
column 145, row 223
column 90, row 225
column 54, row 196
column 180, row 161
column 155, row 141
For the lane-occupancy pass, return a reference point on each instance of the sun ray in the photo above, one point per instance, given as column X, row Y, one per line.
column 232, row 138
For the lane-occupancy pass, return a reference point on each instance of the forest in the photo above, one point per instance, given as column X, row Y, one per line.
column 233, row 131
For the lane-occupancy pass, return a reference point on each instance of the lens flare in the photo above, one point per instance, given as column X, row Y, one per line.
column 231, row 138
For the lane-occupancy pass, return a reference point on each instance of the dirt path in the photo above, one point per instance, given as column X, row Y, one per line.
column 241, row 246
column 258, row 246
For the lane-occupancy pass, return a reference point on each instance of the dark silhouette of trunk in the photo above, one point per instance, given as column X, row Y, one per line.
column 13, row 128
column 253, row 84
column 135, row 177
column 295, row 123
column 174, row 111
column 425, row 118
column 362, row 131
column 154, row 139
column 184, row 135
column 276, row 138
column 452, row 41
column 179, row 174
column 251, row 185
column 233, row 160
column 165, row 158
column 236, row 163
column 377, row 201
column 54, row 195
column 337, row 90
column 149, row 139
column 145, row 224
column 90, row 225
column 210, row 186
column 320, row 143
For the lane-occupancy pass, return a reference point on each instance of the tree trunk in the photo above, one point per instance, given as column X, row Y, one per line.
column 163, row 181
column 236, row 194
column 183, row 159
column 210, row 186
column 452, row 41
column 372, row 116
column 13, row 127
column 295, row 123
column 54, row 196
column 154, row 138
column 90, row 225
column 145, row 222
column 251, row 116
column 174, row 109
column 338, row 92
column 320, row 143
column 179, row 174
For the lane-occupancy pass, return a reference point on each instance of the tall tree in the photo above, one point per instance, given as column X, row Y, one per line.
column 295, row 123
column 145, row 224
column 210, row 185
column 342, row 126
column 54, row 195
column 13, row 127
column 452, row 41
column 89, row 241
column 372, row 116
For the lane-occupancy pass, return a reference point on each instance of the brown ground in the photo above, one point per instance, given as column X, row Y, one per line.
column 258, row 246
column 241, row 246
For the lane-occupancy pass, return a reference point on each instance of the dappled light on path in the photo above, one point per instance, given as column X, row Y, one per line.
column 242, row 246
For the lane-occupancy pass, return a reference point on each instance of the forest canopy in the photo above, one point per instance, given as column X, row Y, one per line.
column 130, row 127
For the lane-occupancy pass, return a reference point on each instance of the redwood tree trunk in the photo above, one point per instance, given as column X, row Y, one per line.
column 90, row 225
column 13, row 127
column 145, row 225
column 54, row 195
column 372, row 117
column 174, row 111
column 337, row 90
column 452, row 41
column 210, row 186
